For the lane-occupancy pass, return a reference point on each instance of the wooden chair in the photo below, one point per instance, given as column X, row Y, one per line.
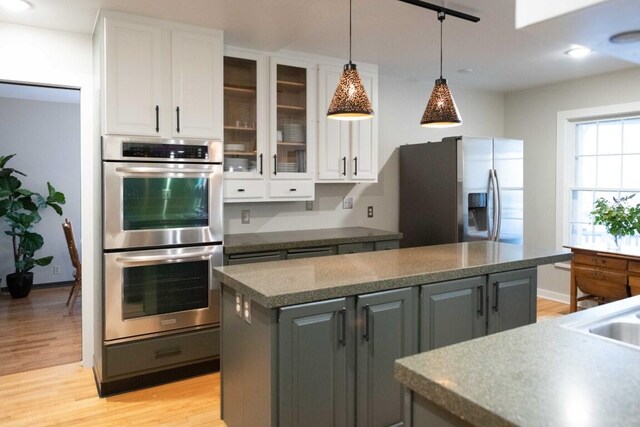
column 75, row 261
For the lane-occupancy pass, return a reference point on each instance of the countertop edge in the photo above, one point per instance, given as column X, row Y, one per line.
column 341, row 291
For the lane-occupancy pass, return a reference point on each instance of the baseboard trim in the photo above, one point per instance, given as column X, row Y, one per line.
column 554, row 296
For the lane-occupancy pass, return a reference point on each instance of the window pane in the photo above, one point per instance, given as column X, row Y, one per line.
column 631, row 134
column 610, row 137
column 581, row 205
column 586, row 171
column 586, row 135
column 631, row 171
column 609, row 171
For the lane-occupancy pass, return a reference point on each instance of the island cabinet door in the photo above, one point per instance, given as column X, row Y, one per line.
column 452, row 312
column 386, row 330
column 315, row 372
column 512, row 299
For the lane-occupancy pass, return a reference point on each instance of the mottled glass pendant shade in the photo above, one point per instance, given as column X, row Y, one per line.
column 441, row 109
column 350, row 101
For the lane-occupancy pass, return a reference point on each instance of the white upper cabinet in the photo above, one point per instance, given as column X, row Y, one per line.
column 347, row 150
column 133, row 66
column 197, row 85
column 161, row 79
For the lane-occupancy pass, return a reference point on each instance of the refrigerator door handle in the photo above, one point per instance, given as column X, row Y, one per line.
column 499, row 207
column 491, row 212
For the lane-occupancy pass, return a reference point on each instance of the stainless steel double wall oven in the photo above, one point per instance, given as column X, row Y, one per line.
column 162, row 234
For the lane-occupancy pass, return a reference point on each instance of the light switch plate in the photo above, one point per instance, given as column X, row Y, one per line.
column 347, row 203
column 245, row 216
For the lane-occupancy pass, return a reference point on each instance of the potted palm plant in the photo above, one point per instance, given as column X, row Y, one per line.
column 619, row 217
column 19, row 208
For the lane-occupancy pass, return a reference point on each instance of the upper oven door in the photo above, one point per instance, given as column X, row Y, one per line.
column 159, row 204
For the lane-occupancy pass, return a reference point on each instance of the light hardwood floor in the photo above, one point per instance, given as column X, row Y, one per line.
column 66, row 395
column 37, row 331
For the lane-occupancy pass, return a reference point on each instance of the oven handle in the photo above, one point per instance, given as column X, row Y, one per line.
column 147, row 169
column 147, row 259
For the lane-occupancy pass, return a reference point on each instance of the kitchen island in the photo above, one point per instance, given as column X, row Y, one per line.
column 313, row 341
column 542, row 374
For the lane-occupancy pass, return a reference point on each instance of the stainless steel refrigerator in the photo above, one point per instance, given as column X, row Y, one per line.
column 461, row 189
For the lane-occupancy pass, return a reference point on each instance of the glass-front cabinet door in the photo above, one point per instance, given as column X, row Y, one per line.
column 292, row 136
column 245, row 120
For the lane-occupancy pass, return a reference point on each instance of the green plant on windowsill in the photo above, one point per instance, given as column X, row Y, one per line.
column 619, row 217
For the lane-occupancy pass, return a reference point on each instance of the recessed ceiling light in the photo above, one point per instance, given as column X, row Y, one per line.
column 626, row 37
column 578, row 52
column 17, row 5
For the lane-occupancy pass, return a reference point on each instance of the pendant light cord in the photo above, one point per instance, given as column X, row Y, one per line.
column 350, row 2
column 441, row 17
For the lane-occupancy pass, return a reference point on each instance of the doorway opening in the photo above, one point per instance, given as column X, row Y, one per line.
column 41, row 126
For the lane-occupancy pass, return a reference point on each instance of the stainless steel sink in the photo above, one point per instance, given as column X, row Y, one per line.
column 616, row 322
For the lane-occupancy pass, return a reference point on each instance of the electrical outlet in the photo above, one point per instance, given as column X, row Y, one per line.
column 309, row 205
column 347, row 203
column 246, row 309
column 245, row 216
column 56, row 269
column 369, row 211
column 239, row 304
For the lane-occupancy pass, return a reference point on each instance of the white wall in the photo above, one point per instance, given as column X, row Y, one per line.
column 532, row 115
column 60, row 58
column 45, row 136
column 401, row 104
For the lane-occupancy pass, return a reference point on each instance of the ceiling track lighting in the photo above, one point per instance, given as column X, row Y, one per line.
column 441, row 110
column 350, row 100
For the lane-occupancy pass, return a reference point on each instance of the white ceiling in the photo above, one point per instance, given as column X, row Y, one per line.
column 402, row 39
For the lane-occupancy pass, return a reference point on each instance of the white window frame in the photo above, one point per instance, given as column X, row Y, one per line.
column 565, row 150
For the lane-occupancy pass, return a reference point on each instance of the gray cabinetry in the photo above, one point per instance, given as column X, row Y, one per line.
column 385, row 331
column 452, row 312
column 512, row 299
column 353, row 248
column 315, row 388
column 310, row 252
column 237, row 259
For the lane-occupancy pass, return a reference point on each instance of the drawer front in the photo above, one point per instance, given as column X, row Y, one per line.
column 311, row 252
column 244, row 189
column 253, row 257
column 353, row 248
column 387, row 244
column 291, row 189
column 600, row 261
column 634, row 285
column 154, row 354
column 634, row 268
column 606, row 275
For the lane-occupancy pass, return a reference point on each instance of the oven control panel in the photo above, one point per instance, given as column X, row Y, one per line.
column 164, row 151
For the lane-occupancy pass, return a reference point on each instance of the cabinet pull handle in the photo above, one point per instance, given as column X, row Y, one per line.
column 293, row 189
column 260, row 164
column 481, row 300
column 178, row 119
column 343, row 327
column 366, row 322
column 355, row 172
column 275, row 164
column 169, row 352
column 344, row 166
column 496, row 292
column 157, row 118
column 241, row 190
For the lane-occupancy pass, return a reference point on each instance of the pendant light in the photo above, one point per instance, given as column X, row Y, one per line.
column 441, row 110
column 350, row 100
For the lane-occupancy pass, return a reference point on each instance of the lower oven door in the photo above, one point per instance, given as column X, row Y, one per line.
column 160, row 290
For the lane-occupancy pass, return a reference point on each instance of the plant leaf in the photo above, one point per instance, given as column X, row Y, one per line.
column 43, row 261
column 5, row 159
column 31, row 242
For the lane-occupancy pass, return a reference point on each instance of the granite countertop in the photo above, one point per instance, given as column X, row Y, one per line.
column 281, row 283
column 253, row 242
column 540, row 374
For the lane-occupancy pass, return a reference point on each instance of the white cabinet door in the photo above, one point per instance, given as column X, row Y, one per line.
column 333, row 135
column 132, row 79
column 347, row 150
column 197, row 85
column 292, row 119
